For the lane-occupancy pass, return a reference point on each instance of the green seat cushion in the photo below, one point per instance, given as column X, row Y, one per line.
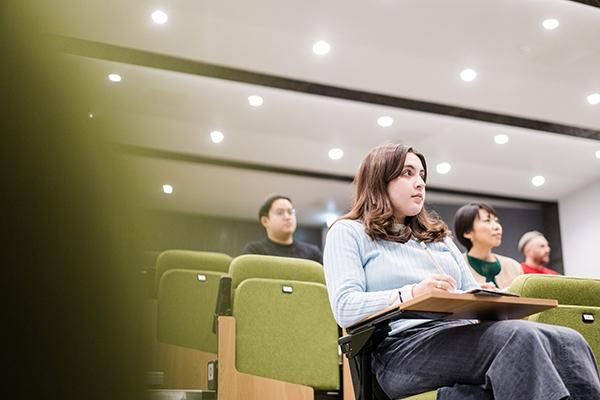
column 566, row 289
column 186, row 307
column 271, row 267
column 571, row 316
column 286, row 336
column 423, row 396
column 188, row 259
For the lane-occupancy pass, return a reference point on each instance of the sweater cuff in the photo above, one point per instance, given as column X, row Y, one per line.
column 402, row 295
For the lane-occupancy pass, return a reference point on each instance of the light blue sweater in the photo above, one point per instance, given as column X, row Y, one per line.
column 363, row 275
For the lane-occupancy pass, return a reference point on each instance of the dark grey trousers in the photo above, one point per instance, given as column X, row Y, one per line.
column 502, row 360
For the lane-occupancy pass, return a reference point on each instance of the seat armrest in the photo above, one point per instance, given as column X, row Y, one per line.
column 223, row 305
column 377, row 326
column 364, row 336
column 391, row 314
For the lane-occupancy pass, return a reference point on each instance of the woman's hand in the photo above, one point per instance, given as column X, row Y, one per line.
column 489, row 286
column 439, row 283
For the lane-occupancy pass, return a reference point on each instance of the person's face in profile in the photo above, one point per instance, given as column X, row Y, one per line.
column 538, row 250
column 486, row 231
column 407, row 191
column 281, row 219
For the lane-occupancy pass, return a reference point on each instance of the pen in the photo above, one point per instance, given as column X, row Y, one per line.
column 435, row 262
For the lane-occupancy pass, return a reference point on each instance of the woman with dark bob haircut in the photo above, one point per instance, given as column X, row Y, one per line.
column 386, row 250
column 477, row 227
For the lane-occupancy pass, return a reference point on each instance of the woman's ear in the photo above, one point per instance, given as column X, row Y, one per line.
column 467, row 235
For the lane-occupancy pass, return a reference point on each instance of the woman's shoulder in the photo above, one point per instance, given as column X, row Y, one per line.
column 348, row 222
column 347, row 225
column 448, row 242
column 508, row 262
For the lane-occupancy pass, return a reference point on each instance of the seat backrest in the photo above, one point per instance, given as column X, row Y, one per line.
column 284, row 325
column 575, row 291
column 187, row 294
column 578, row 299
column 189, row 259
column 271, row 267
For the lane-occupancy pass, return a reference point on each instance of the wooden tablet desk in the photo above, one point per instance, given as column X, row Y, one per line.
column 461, row 306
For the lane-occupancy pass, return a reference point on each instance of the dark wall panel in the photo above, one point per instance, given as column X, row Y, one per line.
column 169, row 230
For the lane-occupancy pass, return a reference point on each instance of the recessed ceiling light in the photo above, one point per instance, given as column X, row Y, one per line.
column 385, row 121
column 160, row 17
column 443, row 168
column 217, row 136
column 550, row 23
column 594, row 98
column 321, row 47
column 336, row 153
column 468, row 75
column 167, row 189
column 501, row 139
column 255, row 101
column 90, row 115
column 538, row 180
column 114, row 77
column 598, row 154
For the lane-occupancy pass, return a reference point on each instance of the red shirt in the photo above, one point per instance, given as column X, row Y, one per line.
column 529, row 269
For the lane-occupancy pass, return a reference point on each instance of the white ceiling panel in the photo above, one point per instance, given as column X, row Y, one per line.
column 409, row 49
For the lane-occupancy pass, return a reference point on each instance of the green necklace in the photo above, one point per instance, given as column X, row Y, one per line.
column 487, row 269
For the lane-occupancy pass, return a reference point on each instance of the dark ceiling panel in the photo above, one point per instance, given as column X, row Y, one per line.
column 147, row 59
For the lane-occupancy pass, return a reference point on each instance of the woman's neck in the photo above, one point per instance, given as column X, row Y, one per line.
column 482, row 252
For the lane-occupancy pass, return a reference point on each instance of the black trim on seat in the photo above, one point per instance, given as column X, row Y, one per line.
column 223, row 306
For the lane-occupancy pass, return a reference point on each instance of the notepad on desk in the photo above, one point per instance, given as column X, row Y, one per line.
column 444, row 305
column 488, row 292
column 481, row 304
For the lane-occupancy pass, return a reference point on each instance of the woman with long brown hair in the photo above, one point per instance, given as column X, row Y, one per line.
column 387, row 249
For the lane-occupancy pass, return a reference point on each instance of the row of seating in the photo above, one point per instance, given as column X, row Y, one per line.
column 276, row 338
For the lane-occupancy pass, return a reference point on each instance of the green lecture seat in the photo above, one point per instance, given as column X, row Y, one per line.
column 187, row 284
column 423, row 396
column 280, row 331
column 578, row 303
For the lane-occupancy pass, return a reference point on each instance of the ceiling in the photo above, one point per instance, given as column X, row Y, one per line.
column 193, row 75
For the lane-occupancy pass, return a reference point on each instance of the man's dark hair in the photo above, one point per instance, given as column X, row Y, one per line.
column 464, row 219
column 266, row 205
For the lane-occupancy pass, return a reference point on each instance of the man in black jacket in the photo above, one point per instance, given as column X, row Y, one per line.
column 278, row 216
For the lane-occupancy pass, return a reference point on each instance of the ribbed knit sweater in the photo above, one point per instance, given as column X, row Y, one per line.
column 362, row 274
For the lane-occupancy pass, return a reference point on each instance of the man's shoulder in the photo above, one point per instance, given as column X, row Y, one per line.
column 256, row 247
column 529, row 269
column 302, row 243
column 306, row 246
column 309, row 250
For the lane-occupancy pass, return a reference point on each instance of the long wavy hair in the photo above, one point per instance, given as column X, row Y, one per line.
column 372, row 205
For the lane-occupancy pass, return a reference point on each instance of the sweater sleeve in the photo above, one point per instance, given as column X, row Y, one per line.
column 513, row 267
column 345, row 277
